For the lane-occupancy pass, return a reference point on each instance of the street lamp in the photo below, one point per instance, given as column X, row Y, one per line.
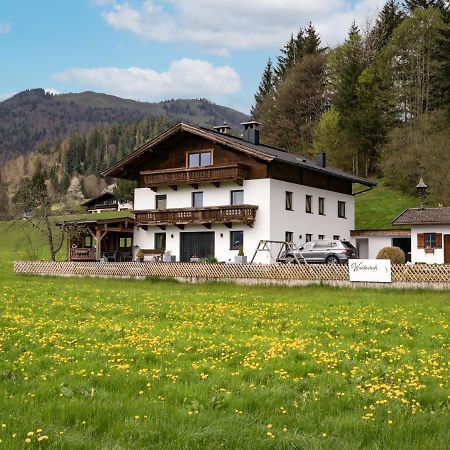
column 422, row 192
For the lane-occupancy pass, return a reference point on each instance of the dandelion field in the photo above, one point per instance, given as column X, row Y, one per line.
column 127, row 364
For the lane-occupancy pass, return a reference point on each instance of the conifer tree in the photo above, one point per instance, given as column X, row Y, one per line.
column 266, row 87
column 387, row 21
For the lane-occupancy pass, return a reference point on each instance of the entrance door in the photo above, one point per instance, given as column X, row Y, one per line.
column 447, row 248
column 200, row 245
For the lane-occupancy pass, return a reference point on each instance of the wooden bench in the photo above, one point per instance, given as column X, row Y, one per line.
column 157, row 253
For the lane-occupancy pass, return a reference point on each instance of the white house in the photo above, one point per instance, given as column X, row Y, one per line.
column 370, row 242
column 430, row 234
column 206, row 193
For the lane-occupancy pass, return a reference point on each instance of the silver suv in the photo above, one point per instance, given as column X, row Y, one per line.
column 323, row 252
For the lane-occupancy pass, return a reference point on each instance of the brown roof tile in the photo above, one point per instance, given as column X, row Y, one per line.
column 425, row 216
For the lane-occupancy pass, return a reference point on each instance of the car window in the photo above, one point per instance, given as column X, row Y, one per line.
column 322, row 244
column 348, row 245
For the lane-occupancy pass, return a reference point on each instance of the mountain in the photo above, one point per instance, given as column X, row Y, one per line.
column 32, row 117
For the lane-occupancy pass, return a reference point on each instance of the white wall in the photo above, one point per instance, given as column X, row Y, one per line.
column 418, row 255
column 372, row 245
column 272, row 218
column 300, row 222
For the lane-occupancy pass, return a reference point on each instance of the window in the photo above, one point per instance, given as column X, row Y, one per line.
column 199, row 159
column 236, row 240
column 289, row 236
column 88, row 241
column 125, row 242
column 430, row 240
column 197, row 199
column 309, row 204
column 321, row 206
column 160, row 201
column 308, row 237
column 321, row 237
column 322, row 244
column 289, row 201
column 336, row 237
column 341, row 209
column 160, row 241
column 237, row 197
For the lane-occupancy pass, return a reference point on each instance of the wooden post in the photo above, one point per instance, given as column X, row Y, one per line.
column 98, row 243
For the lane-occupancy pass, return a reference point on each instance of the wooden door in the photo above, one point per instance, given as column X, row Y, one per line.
column 447, row 248
column 200, row 245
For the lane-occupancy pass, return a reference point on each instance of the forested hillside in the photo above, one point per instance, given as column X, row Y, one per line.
column 378, row 104
column 34, row 117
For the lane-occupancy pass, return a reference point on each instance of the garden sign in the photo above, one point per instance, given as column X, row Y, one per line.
column 370, row 270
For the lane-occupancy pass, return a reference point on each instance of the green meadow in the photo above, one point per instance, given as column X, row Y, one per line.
column 124, row 364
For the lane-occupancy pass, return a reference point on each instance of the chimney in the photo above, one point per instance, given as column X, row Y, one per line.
column 224, row 129
column 321, row 159
column 251, row 132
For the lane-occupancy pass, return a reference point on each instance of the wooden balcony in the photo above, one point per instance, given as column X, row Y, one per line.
column 204, row 216
column 194, row 175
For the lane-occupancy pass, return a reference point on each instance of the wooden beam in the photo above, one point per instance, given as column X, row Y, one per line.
column 154, row 188
column 207, row 225
column 228, row 224
column 98, row 244
column 162, row 227
column 239, row 182
column 173, row 187
column 194, row 185
column 216, row 184
column 180, row 226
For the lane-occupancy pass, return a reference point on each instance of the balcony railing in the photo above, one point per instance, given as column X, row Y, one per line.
column 194, row 175
column 216, row 214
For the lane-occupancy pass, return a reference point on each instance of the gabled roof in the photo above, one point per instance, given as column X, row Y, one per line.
column 425, row 216
column 263, row 152
column 100, row 197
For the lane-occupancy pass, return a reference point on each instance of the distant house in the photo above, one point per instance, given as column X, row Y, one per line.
column 430, row 234
column 105, row 202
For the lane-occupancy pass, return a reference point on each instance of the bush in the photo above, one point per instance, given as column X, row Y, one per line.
column 395, row 254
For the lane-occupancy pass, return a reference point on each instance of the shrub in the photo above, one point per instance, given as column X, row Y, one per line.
column 395, row 254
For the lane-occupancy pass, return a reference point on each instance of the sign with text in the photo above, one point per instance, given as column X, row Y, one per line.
column 370, row 270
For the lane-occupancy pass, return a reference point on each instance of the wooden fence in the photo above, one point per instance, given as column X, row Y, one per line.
column 414, row 275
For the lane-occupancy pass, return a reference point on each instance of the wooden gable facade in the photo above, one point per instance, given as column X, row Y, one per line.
column 163, row 161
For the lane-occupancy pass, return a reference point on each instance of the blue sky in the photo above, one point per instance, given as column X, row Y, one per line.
column 157, row 49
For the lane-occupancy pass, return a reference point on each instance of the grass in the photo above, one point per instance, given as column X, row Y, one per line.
column 377, row 208
column 124, row 364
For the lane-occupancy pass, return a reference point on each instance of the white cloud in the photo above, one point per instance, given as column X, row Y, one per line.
column 5, row 27
column 185, row 78
column 219, row 26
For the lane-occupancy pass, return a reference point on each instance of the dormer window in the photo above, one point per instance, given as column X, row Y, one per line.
column 200, row 159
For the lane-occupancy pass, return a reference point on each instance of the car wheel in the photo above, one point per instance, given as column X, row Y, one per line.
column 332, row 260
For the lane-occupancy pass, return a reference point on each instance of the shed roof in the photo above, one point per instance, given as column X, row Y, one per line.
column 424, row 216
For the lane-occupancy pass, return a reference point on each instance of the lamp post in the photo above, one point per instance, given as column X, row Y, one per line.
column 422, row 192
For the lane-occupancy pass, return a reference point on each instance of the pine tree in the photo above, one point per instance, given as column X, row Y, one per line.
column 387, row 21
column 287, row 58
column 441, row 5
column 311, row 42
column 266, row 87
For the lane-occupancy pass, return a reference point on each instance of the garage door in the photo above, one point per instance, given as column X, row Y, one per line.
column 199, row 245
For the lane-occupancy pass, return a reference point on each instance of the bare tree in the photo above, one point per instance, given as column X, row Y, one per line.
column 33, row 203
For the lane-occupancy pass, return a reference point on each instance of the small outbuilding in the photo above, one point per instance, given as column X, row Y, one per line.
column 430, row 234
column 91, row 240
